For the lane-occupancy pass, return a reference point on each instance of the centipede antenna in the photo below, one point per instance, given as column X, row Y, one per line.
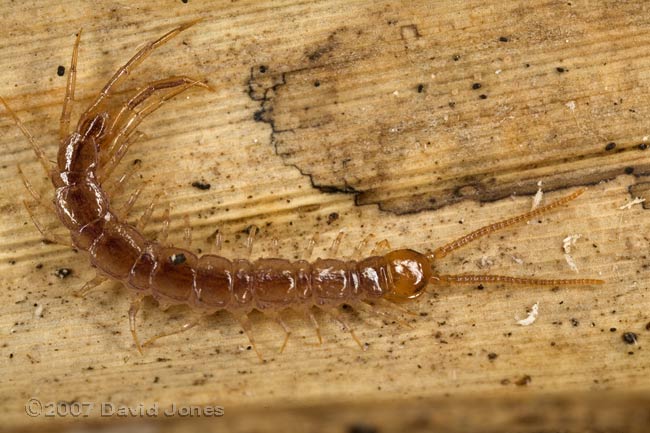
column 38, row 150
column 491, row 228
column 473, row 279
column 64, row 124
column 133, row 62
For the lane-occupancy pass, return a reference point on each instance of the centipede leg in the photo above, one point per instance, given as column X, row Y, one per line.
column 252, row 232
column 218, row 240
column 147, row 92
column 64, row 124
column 120, row 141
column 28, row 186
column 382, row 314
column 275, row 247
column 393, row 306
column 48, row 206
column 126, row 209
column 164, row 232
column 38, row 150
column 334, row 248
column 146, row 215
column 187, row 232
column 245, row 323
column 136, row 303
column 362, row 245
column 133, row 62
column 336, row 315
column 49, row 237
column 311, row 245
column 116, row 187
column 380, row 247
column 312, row 319
column 90, row 285
column 287, row 331
column 104, row 175
column 186, row 326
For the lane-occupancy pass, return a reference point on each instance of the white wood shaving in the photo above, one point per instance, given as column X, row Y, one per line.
column 537, row 199
column 532, row 316
column 567, row 244
column 571, row 262
column 485, row 262
column 629, row 205
column 38, row 311
column 517, row 260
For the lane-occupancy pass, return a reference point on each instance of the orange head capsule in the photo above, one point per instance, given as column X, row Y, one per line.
column 408, row 274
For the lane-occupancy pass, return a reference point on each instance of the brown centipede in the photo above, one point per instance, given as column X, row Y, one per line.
column 209, row 283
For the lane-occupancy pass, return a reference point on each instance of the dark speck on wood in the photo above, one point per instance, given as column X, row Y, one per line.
column 524, row 380
column 630, row 338
column 201, row 185
column 362, row 428
column 63, row 272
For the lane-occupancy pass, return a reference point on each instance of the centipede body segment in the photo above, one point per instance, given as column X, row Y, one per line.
column 209, row 283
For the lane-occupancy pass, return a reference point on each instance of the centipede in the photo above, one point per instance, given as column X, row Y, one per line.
column 208, row 283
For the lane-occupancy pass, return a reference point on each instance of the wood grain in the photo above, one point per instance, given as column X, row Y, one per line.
column 362, row 117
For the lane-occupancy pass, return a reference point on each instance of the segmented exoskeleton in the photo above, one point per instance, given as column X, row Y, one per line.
column 208, row 283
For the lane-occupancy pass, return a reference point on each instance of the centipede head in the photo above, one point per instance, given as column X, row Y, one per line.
column 409, row 273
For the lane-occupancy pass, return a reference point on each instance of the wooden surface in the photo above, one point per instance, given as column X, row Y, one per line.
column 362, row 117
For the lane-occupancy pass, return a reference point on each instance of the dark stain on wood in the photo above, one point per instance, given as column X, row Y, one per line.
column 362, row 129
